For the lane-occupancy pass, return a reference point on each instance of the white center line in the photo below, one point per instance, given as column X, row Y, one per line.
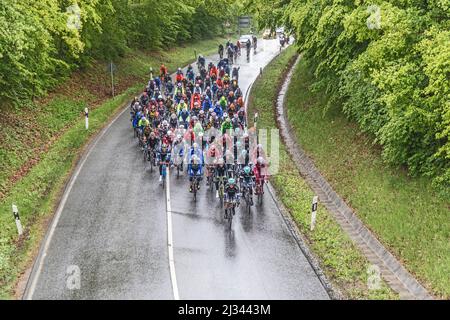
column 173, row 276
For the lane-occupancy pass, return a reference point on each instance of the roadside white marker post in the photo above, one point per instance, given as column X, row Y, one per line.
column 17, row 218
column 86, row 114
column 313, row 212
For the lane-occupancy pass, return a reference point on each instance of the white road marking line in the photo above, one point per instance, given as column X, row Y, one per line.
column 34, row 281
column 173, row 276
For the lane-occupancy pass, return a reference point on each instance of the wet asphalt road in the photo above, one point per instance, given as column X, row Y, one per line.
column 113, row 227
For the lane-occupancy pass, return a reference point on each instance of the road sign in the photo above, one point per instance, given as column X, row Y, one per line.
column 244, row 21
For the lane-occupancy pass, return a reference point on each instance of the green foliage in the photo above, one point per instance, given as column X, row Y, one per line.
column 340, row 258
column 39, row 48
column 405, row 213
column 391, row 75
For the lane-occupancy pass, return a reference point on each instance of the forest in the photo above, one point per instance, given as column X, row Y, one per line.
column 385, row 65
column 43, row 42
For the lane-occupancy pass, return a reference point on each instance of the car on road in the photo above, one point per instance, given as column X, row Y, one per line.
column 244, row 38
column 280, row 30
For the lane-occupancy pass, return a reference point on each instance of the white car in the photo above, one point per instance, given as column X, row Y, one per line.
column 244, row 38
column 280, row 30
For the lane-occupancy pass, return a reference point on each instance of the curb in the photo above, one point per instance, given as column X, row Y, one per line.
column 398, row 278
column 331, row 290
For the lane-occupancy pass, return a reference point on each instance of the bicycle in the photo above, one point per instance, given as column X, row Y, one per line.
column 194, row 186
column 230, row 210
column 248, row 196
column 179, row 163
column 221, row 185
column 259, row 189
column 209, row 176
column 151, row 158
column 164, row 173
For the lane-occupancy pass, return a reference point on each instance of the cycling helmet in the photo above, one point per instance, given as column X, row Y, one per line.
column 202, row 112
column 163, row 146
column 231, row 181
column 247, row 170
column 169, row 133
column 220, row 161
column 173, row 116
column 160, row 97
column 260, row 160
column 195, row 146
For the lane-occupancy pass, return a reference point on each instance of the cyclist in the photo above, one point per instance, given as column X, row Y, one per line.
column 163, row 71
column 178, row 151
column 235, row 73
column 248, row 47
column 247, row 179
column 221, row 51
column 259, row 171
column 220, row 172
column 232, row 191
column 179, row 76
column 226, row 125
column 195, row 170
column 184, row 116
column 230, row 52
column 254, row 42
column 201, row 62
column 163, row 156
column 169, row 87
column 152, row 141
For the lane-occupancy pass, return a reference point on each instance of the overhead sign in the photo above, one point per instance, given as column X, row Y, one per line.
column 244, row 21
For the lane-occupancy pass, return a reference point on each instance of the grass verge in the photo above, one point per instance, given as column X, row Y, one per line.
column 341, row 261
column 58, row 135
column 405, row 213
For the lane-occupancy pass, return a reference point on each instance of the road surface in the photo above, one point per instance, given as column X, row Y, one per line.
column 113, row 229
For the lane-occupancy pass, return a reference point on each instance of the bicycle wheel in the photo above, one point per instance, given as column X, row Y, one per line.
column 229, row 218
column 151, row 161
column 145, row 155
column 194, row 189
